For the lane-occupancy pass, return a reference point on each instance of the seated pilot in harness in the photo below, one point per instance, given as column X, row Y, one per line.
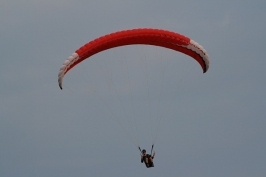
column 147, row 159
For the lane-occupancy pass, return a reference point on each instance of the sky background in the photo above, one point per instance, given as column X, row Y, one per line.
column 213, row 124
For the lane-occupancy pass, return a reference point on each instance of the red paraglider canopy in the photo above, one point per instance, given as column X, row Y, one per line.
column 156, row 37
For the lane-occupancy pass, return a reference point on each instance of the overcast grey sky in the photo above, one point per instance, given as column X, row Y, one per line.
column 215, row 124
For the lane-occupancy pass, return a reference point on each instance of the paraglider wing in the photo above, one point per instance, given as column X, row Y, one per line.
column 146, row 36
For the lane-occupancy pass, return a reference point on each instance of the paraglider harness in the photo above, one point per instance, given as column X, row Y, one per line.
column 150, row 163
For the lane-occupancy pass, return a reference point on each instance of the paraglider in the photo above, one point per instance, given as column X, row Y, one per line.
column 143, row 36
column 147, row 159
